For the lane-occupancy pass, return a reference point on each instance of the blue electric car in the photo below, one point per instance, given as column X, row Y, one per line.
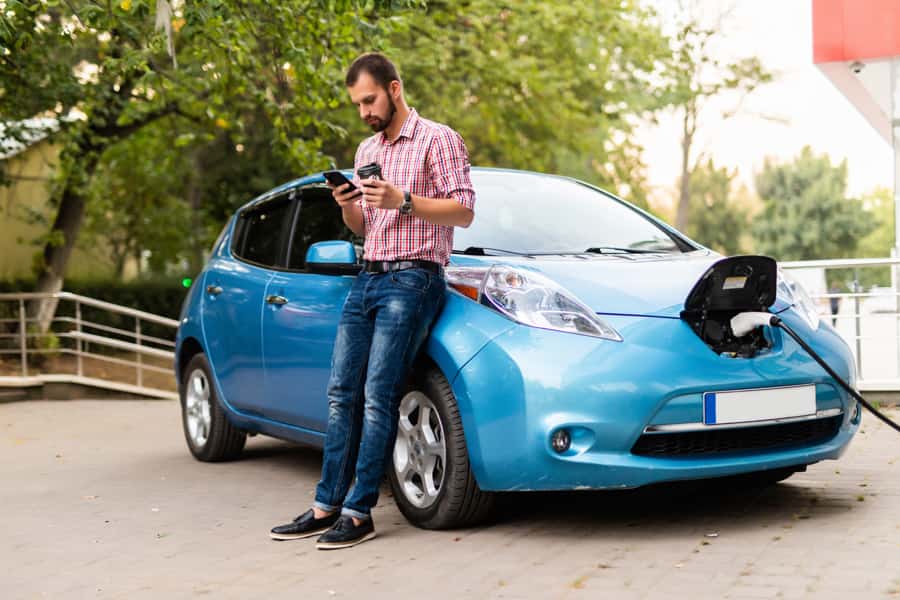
column 584, row 344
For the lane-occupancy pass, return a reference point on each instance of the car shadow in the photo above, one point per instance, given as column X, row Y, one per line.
column 279, row 454
column 710, row 504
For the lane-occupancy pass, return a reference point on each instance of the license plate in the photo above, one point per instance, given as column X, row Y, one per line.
column 742, row 406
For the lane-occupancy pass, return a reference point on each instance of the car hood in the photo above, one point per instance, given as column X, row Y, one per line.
column 623, row 284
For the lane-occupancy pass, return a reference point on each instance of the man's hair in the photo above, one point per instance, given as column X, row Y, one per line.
column 375, row 64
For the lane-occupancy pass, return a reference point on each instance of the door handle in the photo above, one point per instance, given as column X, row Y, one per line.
column 214, row 290
column 279, row 300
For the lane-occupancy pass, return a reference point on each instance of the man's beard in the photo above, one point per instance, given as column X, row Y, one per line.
column 382, row 124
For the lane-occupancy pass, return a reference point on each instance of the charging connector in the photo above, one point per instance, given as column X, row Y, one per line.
column 745, row 322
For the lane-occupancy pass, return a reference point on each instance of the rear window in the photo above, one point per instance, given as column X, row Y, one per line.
column 319, row 219
column 261, row 232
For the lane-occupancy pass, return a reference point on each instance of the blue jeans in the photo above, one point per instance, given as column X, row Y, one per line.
column 386, row 319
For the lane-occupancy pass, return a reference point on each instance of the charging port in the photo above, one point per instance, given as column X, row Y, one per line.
column 730, row 286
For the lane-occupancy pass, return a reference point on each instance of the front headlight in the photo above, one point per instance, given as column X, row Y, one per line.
column 791, row 291
column 529, row 298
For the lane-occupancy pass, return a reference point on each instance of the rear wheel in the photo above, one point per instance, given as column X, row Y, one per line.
column 209, row 434
column 430, row 475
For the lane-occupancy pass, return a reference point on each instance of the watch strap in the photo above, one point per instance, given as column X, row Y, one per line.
column 406, row 207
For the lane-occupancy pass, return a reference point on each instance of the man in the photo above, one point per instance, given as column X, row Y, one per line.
column 407, row 219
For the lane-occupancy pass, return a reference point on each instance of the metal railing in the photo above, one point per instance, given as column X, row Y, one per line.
column 85, row 337
column 862, row 303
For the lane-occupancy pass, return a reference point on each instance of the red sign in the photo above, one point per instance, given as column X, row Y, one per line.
column 847, row 30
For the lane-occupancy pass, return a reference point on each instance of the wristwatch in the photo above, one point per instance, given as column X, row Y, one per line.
column 406, row 206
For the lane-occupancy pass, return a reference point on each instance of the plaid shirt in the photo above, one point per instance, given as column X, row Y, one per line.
column 427, row 159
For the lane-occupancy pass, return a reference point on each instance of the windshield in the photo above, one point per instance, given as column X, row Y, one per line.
column 537, row 214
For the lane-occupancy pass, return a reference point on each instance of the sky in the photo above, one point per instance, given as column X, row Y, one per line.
column 779, row 32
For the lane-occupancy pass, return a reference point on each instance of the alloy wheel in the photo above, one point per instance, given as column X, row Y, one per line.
column 197, row 409
column 420, row 452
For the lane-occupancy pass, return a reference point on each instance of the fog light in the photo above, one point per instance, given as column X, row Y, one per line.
column 561, row 441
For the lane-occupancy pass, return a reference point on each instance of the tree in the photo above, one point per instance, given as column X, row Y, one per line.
column 695, row 76
column 719, row 219
column 879, row 206
column 554, row 87
column 235, row 58
column 806, row 212
column 134, row 204
column 879, row 243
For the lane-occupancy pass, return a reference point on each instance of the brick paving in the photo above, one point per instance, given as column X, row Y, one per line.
column 102, row 500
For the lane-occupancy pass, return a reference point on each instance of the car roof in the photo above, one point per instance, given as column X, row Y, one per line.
column 320, row 178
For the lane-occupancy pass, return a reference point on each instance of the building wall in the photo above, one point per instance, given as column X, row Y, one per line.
column 30, row 172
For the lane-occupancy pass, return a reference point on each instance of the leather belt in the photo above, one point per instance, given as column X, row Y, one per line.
column 386, row 266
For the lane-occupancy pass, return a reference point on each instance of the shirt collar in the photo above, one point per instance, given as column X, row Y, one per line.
column 407, row 129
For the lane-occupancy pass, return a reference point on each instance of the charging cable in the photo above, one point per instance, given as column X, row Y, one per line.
column 744, row 323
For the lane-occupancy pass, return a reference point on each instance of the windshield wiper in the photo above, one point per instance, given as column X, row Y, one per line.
column 619, row 250
column 481, row 251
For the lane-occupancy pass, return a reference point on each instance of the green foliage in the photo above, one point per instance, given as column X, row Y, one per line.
column 163, row 154
column 240, row 62
column 533, row 85
column 719, row 220
column 879, row 206
column 133, row 202
column 806, row 213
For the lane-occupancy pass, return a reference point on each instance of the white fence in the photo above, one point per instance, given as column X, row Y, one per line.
column 88, row 343
column 862, row 304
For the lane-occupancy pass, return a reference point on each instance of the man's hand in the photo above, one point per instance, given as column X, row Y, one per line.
column 344, row 196
column 381, row 194
column 351, row 213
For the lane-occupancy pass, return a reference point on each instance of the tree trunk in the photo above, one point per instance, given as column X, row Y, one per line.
column 684, row 195
column 56, row 257
column 194, row 199
column 69, row 217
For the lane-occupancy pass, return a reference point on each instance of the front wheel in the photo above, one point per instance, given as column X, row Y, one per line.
column 430, row 475
column 209, row 434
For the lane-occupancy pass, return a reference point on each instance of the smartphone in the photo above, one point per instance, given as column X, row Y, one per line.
column 337, row 179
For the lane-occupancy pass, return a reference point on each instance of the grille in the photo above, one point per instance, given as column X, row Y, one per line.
column 764, row 437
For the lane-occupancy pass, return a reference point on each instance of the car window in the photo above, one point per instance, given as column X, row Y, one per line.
column 319, row 219
column 532, row 213
column 262, row 232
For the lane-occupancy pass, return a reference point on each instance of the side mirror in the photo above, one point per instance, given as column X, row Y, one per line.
column 332, row 256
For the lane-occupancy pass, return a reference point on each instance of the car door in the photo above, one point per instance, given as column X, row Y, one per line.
column 300, row 326
column 234, row 295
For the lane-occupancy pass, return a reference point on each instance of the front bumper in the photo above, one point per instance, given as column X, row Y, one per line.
column 527, row 383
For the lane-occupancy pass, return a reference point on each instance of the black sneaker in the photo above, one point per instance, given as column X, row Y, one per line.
column 306, row 525
column 344, row 534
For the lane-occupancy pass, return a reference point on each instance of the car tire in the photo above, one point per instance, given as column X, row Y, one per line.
column 434, row 489
column 209, row 434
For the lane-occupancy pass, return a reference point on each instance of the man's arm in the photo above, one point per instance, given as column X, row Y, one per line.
column 440, row 211
column 350, row 209
column 448, row 164
column 353, row 218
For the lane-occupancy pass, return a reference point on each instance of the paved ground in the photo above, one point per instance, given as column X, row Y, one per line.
column 102, row 500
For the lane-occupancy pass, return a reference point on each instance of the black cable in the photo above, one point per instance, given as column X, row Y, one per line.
column 777, row 322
